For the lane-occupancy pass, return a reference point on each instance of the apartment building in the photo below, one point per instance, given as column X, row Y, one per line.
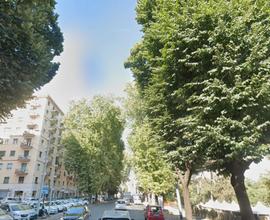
column 31, row 155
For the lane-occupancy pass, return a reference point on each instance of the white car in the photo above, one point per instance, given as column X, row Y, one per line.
column 137, row 200
column 32, row 213
column 120, row 205
column 50, row 209
column 17, row 211
column 59, row 206
column 4, row 216
column 115, row 214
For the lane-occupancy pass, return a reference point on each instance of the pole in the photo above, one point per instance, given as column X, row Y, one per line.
column 181, row 214
column 42, row 180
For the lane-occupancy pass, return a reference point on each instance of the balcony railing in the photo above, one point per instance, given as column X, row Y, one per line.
column 31, row 125
column 28, row 134
column 26, row 146
column 21, row 172
column 34, row 115
column 24, row 159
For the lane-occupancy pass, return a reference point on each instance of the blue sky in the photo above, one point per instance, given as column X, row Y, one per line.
column 98, row 37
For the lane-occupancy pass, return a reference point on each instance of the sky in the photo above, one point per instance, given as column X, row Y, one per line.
column 98, row 36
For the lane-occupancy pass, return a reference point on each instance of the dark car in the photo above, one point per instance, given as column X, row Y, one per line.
column 76, row 213
column 153, row 212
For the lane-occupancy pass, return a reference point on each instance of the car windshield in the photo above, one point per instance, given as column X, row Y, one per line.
column 155, row 209
column 16, row 208
column 121, row 202
column 25, row 207
column 75, row 210
column 2, row 212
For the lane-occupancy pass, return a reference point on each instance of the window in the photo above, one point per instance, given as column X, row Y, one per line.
column 15, row 141
column 28, row 141
column 21, row 179
column 12, row 153
column 1, row 166
column 6, row 180
column 40, row 154
column 42, row 141
column 2, row 153
column 38, row 167
column 9, row 166
column 6, row 141
column 36, row 180
column 23, row 167
column 26, row 153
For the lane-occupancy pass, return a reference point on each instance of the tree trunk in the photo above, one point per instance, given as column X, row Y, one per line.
column 238, row 183
column 185, row 179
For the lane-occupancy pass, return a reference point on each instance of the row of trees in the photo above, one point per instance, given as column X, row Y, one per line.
column 93, row 145
column 202, row 71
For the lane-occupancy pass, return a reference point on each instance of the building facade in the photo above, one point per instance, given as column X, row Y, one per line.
column 31, row 154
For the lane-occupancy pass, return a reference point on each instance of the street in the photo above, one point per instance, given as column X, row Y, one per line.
column 96, row 210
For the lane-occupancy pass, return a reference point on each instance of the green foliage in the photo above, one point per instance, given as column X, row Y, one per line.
column 94, row 149
column 202, row 68
column 259, row 191
column 30, row 39
column 204, row 189
column 153, row 171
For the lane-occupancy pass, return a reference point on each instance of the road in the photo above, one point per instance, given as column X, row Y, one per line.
column 136, row 212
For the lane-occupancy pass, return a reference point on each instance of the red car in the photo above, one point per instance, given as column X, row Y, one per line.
column 153, row 212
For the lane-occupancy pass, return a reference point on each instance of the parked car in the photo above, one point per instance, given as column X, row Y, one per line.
column 120, row 204
column 4, row 215
column 17, row 211
column 137, row 200
column 115, row 215
column 76, row 213
column 153, row 212
column 10, row 200
column 59, row 205
column 32, row 213
column 50, row 208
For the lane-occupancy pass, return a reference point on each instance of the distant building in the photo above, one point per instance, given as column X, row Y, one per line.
column 31, row 156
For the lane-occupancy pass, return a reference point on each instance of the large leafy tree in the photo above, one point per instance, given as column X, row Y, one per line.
column 94, row 149
column 152, row 169
column 30, row 39
column 203, row 67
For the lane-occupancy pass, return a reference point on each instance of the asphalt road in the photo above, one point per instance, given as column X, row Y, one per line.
column 96, row 210
column 136, row 212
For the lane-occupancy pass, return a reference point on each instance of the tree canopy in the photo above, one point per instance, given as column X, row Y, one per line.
column 30, row 39
column 153, row 171
column 94, row 148
column 203, row 69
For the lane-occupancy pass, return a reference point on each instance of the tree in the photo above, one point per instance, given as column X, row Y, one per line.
column 30, row 39
column 94, row 149
column 202, row 67
column 153, row 171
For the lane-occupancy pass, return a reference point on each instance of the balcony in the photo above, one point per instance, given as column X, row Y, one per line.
column 35, row 106
column 24, row 159
column 21, row 172
column 26, row 146
column 31, row 125
column 28, row 134
column 34, row 115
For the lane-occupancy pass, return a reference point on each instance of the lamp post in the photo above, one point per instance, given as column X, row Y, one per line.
column 179, row 201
